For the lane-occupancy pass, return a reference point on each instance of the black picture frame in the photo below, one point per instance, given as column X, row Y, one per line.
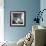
column 17, row 18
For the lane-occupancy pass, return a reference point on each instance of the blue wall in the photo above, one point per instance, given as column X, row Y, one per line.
column 30, row 6
column 43, row 6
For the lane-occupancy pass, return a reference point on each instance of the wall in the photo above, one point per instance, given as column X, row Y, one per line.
column 43, row 6
column 1, row 21
column 30, row 6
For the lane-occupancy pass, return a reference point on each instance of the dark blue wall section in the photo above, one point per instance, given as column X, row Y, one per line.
column 30, row 6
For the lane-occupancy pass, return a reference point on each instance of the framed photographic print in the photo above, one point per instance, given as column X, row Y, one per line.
column 17, row 18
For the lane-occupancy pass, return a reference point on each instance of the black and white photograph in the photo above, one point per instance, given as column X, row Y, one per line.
column 17, row 18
